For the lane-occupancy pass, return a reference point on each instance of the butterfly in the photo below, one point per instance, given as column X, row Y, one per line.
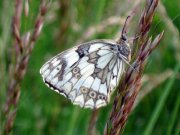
column 88, row 74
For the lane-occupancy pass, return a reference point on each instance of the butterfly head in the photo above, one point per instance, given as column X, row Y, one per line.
column 124, row 49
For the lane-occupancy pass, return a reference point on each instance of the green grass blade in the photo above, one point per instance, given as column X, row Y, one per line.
column 177, row 132
column 72, row 122
column 100, row 10
column 174, row 115
column 161, row 103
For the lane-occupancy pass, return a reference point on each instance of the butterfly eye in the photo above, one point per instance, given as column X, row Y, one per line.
column 84, row 90
column 75, row 70
column 92, row 94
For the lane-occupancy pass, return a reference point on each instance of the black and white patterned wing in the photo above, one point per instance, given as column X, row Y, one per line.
column 86, row 74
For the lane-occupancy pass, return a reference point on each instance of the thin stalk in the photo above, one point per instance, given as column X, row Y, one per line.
column 22, row 49
column 92, row 122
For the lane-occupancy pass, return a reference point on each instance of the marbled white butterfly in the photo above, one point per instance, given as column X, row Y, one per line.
column 88, row 73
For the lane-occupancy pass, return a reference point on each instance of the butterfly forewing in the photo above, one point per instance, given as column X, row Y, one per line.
column 86, row 74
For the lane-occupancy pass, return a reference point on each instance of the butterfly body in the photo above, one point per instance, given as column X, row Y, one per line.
column 88, row 73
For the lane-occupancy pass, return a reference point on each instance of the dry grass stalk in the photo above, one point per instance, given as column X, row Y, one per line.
column 23, row 46
column 92, row 123
column 131, row 83
column 65, row 21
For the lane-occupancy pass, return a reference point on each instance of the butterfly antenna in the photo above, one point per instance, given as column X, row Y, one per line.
column 125, row 25
column 123, row 33
column 128, row 64
column 131, row 66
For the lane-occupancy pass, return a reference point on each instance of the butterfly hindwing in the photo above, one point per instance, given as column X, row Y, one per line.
column 86, row 74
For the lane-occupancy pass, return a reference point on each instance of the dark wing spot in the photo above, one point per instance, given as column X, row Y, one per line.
column 80, row 53
column 82, row 50
column 61, row 72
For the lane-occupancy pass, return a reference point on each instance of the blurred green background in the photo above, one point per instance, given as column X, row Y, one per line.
column 68, row 22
